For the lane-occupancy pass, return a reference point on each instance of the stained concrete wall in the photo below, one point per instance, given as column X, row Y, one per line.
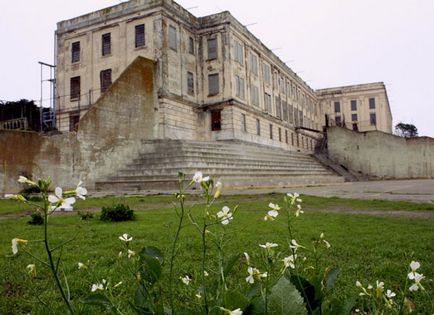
column 382, row 155
column 109, row 136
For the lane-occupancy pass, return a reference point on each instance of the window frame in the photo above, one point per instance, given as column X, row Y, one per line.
column 212, row 52
column 372, row 103
column 353, row 105
column 106, row 44
column 213, row 78
column 75, row 52
column 103, row 75
column 74, row 92
column 139, row 36
column 190, row 83
column 173, row 38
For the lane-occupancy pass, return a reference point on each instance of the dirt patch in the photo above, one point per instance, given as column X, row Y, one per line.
column 421, row 215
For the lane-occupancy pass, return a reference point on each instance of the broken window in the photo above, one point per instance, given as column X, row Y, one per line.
column 373, row 119
column 173, row 38
column 191, row 45
column 140, row 35
column 106, row 44
column 190, row 83
column 213, row 84
column 372, row 103
column 353, row 105
column 105, row 77
column 216, row 118
column 75, row 52
column 73, row 122
column 212, row 48
column 75, row 89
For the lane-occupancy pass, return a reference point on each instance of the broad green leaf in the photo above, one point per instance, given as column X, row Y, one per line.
column 231, row 263
column 234, row 299
column 307, row 290
column 257, row 307
column 255, row 290
column 143, row 301
column 284, row 299
column 330, row 277
column 150, row 269
column 153, row 252
column 98, row 299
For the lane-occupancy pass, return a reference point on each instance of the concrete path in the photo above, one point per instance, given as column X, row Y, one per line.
column 419, row 190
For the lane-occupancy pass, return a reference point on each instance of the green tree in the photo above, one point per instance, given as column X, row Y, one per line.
column 406, row 130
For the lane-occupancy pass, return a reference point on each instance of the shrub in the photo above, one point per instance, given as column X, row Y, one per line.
column 85, row 215
column 36, row 218
column 117, row 213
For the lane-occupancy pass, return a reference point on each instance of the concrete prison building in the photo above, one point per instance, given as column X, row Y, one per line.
column 214, row 80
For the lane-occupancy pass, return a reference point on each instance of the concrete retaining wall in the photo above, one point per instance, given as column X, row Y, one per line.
column 382, row 155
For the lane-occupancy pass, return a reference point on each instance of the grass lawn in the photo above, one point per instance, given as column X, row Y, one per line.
column 366, row 248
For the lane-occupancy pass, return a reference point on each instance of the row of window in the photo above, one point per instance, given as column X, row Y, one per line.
column 105, row 77
column 106, row 43
column 296, row 139
column 354, row 105
column 354, row 118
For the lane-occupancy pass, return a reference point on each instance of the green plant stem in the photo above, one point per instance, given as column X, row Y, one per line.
column 266, row 285
column 50, row 257
column 203, row 266
column 175, row 241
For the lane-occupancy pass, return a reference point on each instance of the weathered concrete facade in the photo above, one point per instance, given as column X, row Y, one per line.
column 214, row 79
column 382, row 155
column 362, row 107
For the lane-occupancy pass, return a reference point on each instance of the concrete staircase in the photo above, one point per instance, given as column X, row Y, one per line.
column 237, row 164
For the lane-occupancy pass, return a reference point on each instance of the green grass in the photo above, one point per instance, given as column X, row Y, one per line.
column 366, row 248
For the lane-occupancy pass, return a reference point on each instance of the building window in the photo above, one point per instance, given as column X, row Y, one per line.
column 291, row 114
column 173, row 38
column 285, row 110
column 191, row 45
column 355, row 127
column 267, row 101
column 243, row 122
column 373, row 119
column 266, row 73
column 337, row 107
column 75, row 52
column 280, row 134
column 216, row 118
column 105, row 77
column 353, row 117
column 212, row 48
column 271, row 131
column 278, row 108
column 75, row 89
column 292, row 139
column 106, row 44
column 213, row 84
column 338, row 121
column 239, row 87
column 372, row 103
column 140, row 35
column 258, row 127
column 74, row 119
column 286, row 136
column 254, row 95
column 239, row 53
column 253, row 64
column 190, row 83
column 353, row 105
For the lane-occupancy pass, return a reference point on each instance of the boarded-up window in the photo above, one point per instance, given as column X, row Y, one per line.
column 212, row 48
column 105, row 77
column 239, row 87
column 190, row 83
column 238, row 53
column 75, row 52
column 191, row 45
column 106, row 44
column 253, row 63
column 140, row 35
column 75, row 89
column 173, row 38
column 216, row 120
column 213, row 84
column 254, row 95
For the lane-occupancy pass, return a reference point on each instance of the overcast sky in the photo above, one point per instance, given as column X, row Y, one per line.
column 327, row 42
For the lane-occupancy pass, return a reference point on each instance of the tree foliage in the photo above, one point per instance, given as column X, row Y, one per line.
column 406, row 130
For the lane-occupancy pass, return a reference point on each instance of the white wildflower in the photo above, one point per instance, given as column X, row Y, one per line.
column 197, row 178
column 25, row 180
column 58, row 199
column 289, row 262
column 267, row 246
column 80, row 191
column 389, row 294
column 225, row 215
column 219, row 188
column 31, row 269
column 237, row 311
column 131, row 253
column 16, row 242
column 81, row 265
column 125, row 238
column 186, row 279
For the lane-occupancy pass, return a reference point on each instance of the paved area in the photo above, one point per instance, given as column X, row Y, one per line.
column 419, row 190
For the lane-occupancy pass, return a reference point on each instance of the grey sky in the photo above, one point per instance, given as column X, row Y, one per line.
column 327, row 42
